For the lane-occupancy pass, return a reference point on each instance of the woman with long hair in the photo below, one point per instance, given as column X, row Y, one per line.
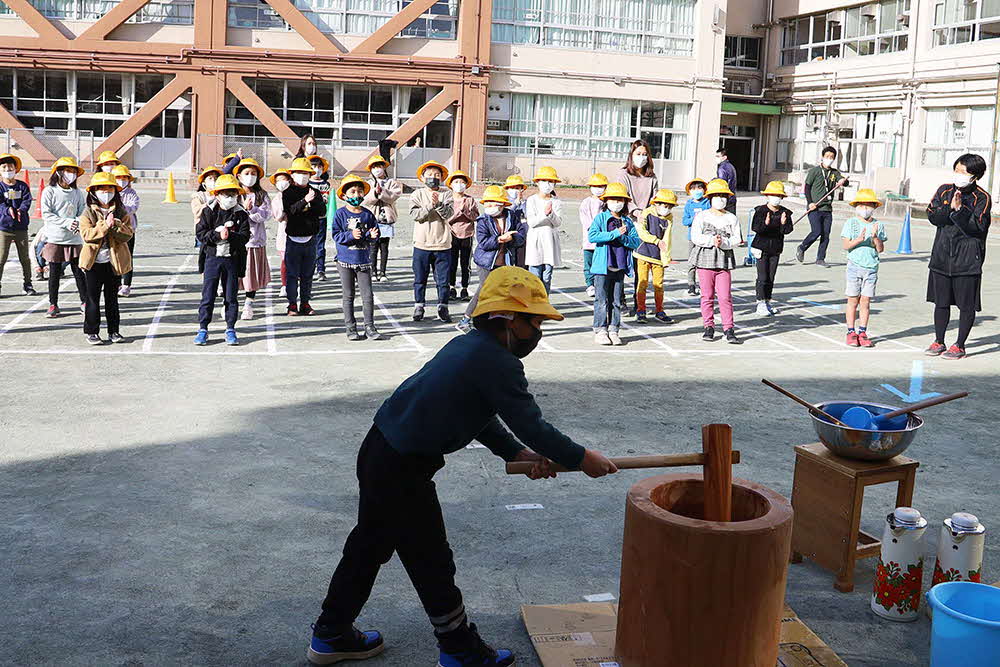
column 641, row 183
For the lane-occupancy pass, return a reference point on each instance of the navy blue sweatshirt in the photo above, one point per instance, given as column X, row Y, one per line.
column 458, row 396
column 352, row 252
column 17, row 197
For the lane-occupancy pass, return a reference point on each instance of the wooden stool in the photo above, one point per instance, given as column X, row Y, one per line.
column 827, row 495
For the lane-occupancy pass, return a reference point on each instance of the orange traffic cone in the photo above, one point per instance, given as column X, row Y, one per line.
column 171, row 197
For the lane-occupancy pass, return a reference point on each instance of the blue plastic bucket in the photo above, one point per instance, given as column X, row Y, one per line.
column 966, row 627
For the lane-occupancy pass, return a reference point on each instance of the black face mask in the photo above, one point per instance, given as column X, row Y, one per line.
column 522, row 347
column 432, row 182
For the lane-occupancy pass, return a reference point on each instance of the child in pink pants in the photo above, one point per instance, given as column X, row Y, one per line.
column 714, row 234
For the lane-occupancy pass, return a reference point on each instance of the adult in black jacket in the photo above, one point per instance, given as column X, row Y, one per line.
column 223, row 231
column 305, row 212
column 961, row 213
column 770, row 223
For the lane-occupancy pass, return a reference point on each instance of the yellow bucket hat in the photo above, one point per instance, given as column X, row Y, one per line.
column 376, row 159
column 547, row 174
column 598, row 181
column 121, row 171
column 324, row 161
column 432, row 163
column 866, row 196
column 103, row 178
column 665, row 196
column 776, row 188
column 69, row 163
column 16, row 159
column 718, row 186
column 510, row 289
column 280, row 172
column 301, row 164
column 616, row 191
column 226, row 182
column 350, row 180
column 690, row 184
column 107, row 156
column 250, row 162
column 494, row 194
column 514, row 181
column 458, row 173
column 208, row 171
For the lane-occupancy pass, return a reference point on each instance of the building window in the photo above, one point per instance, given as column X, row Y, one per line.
column 742, row 52
column 660, row 27
column 799, row 141
column 179, row 12
column 865, row 140
column 350, row 17
column 866, row 30
column 962, row 21
column 563, row 125
column 949, row 133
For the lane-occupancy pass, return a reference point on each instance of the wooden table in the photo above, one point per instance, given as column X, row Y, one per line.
column 827, row 495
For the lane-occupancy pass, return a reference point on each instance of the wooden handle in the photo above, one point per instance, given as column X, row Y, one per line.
column 812, row 408
column 923, row 404
column 717, row 443
column 798, row 219
column 629, row 462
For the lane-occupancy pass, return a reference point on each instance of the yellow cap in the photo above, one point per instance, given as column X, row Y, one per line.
column 226, row 182
column 547, row 174
column 207, row 171
column 615, row 191
column 122, row 171
column 718, row 186
column 326, row 164
column 376, row 159
column 510, row 289
column 866, row 196
column 494, row 194
column 69, row 163
column 349, row 180
column 691, row 183
column 301, row 164
column 458, row 173
column 431, row 163
column 250, row 162
column 103, row 178
column 514, row 181
column 283, row 172
column 107, row 156
column 16, row 159
column 776, row 188
column 598, row 181
column 665, row 196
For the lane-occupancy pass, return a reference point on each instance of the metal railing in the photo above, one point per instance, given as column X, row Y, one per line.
column 79, row 144
column 493, row 164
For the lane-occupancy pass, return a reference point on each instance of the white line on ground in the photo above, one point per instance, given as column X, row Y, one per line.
column 35, row 306
column 397, row 326
column 228, row 352
column 272, row 344
column 147, row 344
column 656, row 341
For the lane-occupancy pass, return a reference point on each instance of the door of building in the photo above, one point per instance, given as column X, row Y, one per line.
column 742, row 152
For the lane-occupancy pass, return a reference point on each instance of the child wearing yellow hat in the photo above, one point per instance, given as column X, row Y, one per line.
column 430, row 208
column 654, row 226
column 714, row 233
column 613, row 232
column 589, row 208
column 863, row 238
column 130, row 200
column 62, row 205
column 770, row 224
column 543, row 213
column 355, row 231
column 381, row 201
column 464, row 214
column 15, row 209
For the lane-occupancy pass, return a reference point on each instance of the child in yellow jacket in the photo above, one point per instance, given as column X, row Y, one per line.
column 654, row 226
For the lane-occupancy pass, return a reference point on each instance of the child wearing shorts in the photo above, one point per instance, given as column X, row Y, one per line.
column 864, row 238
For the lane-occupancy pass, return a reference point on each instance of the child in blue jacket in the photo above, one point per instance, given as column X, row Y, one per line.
column 15, row 207
column 697, row 202
column 613, row 232
column 355, row 230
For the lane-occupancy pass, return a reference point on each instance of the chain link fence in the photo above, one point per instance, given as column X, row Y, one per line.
column 79, row 144
column 493, row 164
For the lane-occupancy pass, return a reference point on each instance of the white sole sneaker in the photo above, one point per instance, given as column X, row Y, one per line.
column 331, row 658
column 616, row 339
column 602, row 339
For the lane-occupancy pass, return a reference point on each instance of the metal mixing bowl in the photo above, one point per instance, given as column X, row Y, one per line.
column 860, row 443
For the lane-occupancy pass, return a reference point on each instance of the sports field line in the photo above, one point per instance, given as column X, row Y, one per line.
column 147, row 344
column 227, row 351
column 671, row 351
column 272, row 344
column 394, row 323
column 35, row 306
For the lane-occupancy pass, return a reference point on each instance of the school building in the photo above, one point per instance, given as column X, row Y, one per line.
column 901, row 87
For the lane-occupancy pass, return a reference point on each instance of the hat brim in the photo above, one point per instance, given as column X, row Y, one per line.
column 260, row 170
column 451, row 178
column 376, row 163
column 274, row 177
column 206, row 173
column 592, row 184
column 427, row 165
column 80, row 171
column 550, row 180
column 504, row 202
column 17, row 161
column 240, row 189
column 661, row 201
column 772, row 193
column 510, row 305
column 606, row 197
column 858, row 202
column 90, row 186
column 343, row 186
column 687, row 188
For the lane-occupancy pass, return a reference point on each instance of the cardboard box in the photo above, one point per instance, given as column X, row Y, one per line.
column 583, row 635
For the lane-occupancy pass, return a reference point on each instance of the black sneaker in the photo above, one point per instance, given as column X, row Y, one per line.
column 418, row 312
column 94, row 339
column 453, row 293
column 464, row 296
column 353, row 335
column 663, row 317
column 821, row 262
column 116, row 338
column 443, row 314
column 709, row 334
column 29, row 290
column 800, row 255
column 470, row 650
column 373, row 334
column 353, row 645
column 692, row 290
column 731, row 337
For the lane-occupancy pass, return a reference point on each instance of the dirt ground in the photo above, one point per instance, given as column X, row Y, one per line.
column 170, row 504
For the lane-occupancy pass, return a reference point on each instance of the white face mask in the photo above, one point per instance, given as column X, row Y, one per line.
column 719, row 159
column 662, row 210
column 248, row 180
column 122, row 182
column 774, row 200
column 226, row 202
column 282, row 184
column 493, row 210
column 209, row 183
column 378, row 172
column 963, row 180
column 719, row 203
column 596, row 190
column 106, row 168
column 697, row 193
column 105, row 197
column 8, row 174
column 828, row 162
column 458, row 187
column 300, row 179
column 546, row 187
column 640, row 161
column 310, row 149
column 513, row 194
column 68, row 176
column 615, row 205
column 866, row 212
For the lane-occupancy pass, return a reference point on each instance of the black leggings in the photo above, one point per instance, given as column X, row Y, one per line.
column 252, row 295
column 380, row 255
column 127, row 278
column 942, row 315
column 56, row 274
column 767, row 267
column 461, row 253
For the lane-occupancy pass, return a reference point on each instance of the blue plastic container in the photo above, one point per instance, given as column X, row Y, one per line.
column 966, row 627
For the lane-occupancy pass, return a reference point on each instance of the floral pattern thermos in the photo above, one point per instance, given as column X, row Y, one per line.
column 960, row 549
column 900, row 569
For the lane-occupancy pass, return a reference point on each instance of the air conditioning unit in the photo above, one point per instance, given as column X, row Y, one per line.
column 719, row 20
column 903, row 19
column 836, row 17
column 738, row 87
column 846, row 121
column 959, row 116
column 869, row 11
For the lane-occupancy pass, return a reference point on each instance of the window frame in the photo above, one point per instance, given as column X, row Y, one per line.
column 975, row 25
column 265, row 18
column 88, row 10
column 790, row 52
column 740, row 41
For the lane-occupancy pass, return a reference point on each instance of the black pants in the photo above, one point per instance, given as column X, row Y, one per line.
column 398, row 511
column 219, row 269
column 767, row 267
column 102, row 278
column 348, row 278
column 461, row 253
column 820, row 224
column 380, row 255
column 127, row 278
column 56, row 274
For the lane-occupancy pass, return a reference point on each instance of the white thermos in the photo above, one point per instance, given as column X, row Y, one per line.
column 900, row 569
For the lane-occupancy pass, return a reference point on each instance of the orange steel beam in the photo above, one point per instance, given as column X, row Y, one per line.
column 24, row 137
column 306, row 28
column 127, row 130
column 208, row 125
column 121, row 12
column 393, row 27
column 262, row 112
column 47, row 32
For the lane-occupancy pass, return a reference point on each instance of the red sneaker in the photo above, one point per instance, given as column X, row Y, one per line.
column 935, row 349
column 954, row 352
column 852, row 339
column 306, row 309
column 53, row 311
column 864, row 340
column 293, row 310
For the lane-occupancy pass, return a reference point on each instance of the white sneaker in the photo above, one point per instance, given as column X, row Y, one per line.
column 124, row 290
column 601, row 338
column 762, row 309
column 591, row 291
column 283, row 292
column 615, row 338
column 247, row 310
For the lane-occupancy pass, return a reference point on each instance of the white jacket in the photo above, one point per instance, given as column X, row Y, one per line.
column 542, row 244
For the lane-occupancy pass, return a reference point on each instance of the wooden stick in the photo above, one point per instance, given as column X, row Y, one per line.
column 630, row 462
column 809, row 406
column 831, row 192
column 923, row 404
column 717, row 443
